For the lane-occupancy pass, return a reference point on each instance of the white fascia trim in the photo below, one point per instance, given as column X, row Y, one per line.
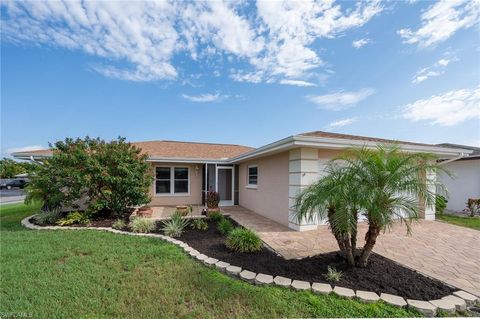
column 184, row 160
column 280, row 145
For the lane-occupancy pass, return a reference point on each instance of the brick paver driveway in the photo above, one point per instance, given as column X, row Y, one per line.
column 447, row 252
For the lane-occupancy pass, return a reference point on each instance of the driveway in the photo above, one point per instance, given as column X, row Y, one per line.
column 10, row 196
column 443, row 251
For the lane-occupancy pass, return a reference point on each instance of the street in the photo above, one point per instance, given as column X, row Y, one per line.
column 11, row 196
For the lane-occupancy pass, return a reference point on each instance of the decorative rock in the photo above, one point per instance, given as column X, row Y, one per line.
column 446, row 305
column 248, row 276
column 321, row 289
column 424, row 307
column 282, row 281
column 367, row 296
column 210, row 261
column 393, row 300
column 263, row 279
column 460, row 304
column 221, row 265
column 344, row 292
column 301, row 285
column 201, row 257
column 233, row 270
column 469, row 298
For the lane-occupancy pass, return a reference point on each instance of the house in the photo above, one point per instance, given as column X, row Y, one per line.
column 264, row 180
column 465, row 183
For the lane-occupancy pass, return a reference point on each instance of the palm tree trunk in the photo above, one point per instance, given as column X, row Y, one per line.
column 353, row 236
column 342, row 241
column 370, row 239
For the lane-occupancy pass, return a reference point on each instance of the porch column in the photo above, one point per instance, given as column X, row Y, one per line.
column 427, row 212
column 303, row 170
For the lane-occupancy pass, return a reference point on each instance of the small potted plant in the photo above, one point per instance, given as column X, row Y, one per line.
column 213, row 198
column 145, row 211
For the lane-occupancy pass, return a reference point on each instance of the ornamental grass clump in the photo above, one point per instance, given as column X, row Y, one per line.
column 243, row 240
column 215, row 216
column 48, row 217
column 175, row 226
column 74, row 218
column 199, row 224
column 119, row 224
column 142, row 225
column 333, row 274
column 224, row 226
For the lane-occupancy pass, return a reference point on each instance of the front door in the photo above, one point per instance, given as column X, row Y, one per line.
column 225, row 185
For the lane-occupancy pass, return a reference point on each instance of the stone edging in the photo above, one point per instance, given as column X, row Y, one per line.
column 450, row 304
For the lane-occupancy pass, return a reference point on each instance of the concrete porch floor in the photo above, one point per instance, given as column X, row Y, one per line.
column 443, row 251
column 164, row 212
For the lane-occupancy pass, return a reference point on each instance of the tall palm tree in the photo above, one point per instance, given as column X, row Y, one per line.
column 383, row 184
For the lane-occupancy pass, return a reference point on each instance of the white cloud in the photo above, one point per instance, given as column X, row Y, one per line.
column 340, row 100
column 341, row 123
column 206, row 97
column 446, row 109
column 140, row 41
column 360, row 43
column 437, row 69
column 25, row 149
column 296, row 82
column 441, row 20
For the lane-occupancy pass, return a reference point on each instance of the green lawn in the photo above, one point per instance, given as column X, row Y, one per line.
column 470, row 222
column 65, row 273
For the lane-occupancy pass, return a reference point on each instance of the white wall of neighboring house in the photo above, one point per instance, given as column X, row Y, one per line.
column 466, row 183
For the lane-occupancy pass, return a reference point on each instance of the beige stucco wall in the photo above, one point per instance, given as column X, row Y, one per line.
column 270, row 198
column 195, row 187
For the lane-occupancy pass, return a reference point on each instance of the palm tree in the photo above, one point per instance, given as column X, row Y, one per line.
column 383, row 184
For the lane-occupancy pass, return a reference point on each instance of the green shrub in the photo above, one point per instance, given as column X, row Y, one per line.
column 243, row 240
column 440, row 204
column 142, row 225
column 175, row 226
column 215, row 216
column 74, row 218
column 333, row 274
column 48, row 217
column 199, row 224
column 225, row 226
column 119, row 224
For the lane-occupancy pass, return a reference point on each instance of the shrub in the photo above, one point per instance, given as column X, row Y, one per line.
column 215, row 216
column 199, row 224
column 213, row 198
column 440, row 204
column 244, row 240
column 74, row 218
column 119, row 224
column 48, row 217
column 473, row 205
column 142, row 225
column 225, row 226
column 175, row 226
column 333, row 274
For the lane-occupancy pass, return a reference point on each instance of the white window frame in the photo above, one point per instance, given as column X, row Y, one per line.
column 172, row 182
column 254, row 186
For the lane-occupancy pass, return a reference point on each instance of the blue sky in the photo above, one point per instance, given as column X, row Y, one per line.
column 239, row 72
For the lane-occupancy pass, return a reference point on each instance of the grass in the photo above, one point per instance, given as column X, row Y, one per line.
column 87, row 273
column 470, row 222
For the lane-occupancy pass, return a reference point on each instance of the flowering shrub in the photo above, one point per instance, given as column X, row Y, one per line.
column 473, row 205
column 213, row 198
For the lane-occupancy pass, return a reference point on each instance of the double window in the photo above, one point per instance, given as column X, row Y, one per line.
column 252, row 179
column 171, row 180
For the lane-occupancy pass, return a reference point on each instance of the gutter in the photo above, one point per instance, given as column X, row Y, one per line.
column 462, row 155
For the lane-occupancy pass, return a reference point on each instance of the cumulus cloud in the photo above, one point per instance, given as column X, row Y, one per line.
column 341, row 123
column 296, row 82
column 140, row 41
column 25, row 149
column 340, row 100
column 442, row 20
column 437, row 69
column 360, row 43
column 446, row 109
column 206, row 97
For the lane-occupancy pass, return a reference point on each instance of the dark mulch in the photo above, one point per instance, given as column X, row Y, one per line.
column 381, row 275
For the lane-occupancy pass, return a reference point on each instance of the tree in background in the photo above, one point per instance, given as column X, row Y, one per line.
column 108, row 176
column 9, row 168
column 382, row 184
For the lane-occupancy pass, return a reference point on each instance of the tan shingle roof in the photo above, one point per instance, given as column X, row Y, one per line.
column 176, row 149
column 356, row 137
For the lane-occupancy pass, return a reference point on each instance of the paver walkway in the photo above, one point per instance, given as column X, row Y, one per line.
column 447, row 252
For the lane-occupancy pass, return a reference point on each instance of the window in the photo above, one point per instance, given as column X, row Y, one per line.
column 171, row 180
column 252, row 175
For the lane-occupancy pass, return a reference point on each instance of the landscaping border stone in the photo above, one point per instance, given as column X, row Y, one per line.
column 456, row 302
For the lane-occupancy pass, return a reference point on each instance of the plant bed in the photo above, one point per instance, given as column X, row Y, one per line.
column 381, row 275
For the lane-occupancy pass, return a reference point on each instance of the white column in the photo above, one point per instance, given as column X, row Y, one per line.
column 303, row 170
column 429, row 212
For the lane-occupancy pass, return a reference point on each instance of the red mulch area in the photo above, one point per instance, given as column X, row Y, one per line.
column 381, row 275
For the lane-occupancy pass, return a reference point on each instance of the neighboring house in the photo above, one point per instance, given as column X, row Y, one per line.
column 465, row 183
column 264, row 180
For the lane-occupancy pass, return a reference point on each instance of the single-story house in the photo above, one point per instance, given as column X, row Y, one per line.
column 465, row 183
column 264, row 180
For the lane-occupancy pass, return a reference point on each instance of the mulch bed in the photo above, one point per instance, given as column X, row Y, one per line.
column 381, row 275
